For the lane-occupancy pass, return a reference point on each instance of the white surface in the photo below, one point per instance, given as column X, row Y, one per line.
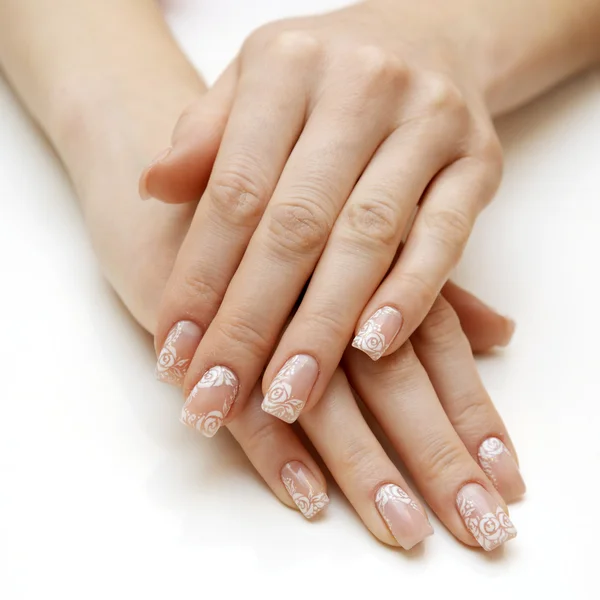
column 103, row 494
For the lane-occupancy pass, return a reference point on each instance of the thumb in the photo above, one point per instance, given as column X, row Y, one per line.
column 180, row 173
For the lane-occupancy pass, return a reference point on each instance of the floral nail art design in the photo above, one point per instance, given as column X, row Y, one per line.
column 490, row 527
column 376, row 335
column 218, row 385
column 290, row 389
column 488, row 454
column 392, row 493
column 170, row 368
column 301, row 491
column 405, row 519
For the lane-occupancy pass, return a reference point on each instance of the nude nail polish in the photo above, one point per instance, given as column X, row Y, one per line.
column 304, row 489
column 291, row 388
column 501, row 468
column 177, row 352
column 378, row 333
column 210, row 401
column 484, row 517
column 405, row 519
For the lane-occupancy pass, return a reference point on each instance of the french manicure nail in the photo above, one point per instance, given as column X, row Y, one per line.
column 143, row 185
column 501, row 468
column 304, row 489
column 404, row 517
column 291, row 388
column 378, row 333
column 210, row 401
column 484, row 517
column 177, row 352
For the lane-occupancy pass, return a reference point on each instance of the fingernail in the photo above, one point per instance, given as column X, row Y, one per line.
column 509, row 332
column 143, row 185
column 175, row 356
column 306, row 492
column 404, row 517
column 484, row 517
column 377, row 334
column 501, row 468
column 210, row 401
column 291, row 388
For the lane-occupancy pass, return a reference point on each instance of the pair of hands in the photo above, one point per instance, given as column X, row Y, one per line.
column 311, row 154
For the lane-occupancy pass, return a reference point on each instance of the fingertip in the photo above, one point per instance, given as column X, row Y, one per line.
column 145, row 177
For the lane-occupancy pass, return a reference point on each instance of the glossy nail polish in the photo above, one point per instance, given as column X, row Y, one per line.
column 404, row 517
column 291, row 388
column 177, row 352
column 210, row 401
column 484, row 517
column 304, row 489
column 378, row 333
column 501, row 468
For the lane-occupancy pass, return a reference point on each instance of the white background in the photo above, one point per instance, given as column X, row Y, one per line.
column 103, row 494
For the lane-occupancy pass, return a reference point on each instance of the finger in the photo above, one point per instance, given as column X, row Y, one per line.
column 282, row 254
column 179, row 173
column 359, row 252
column 281, row 459
column 483, row 326
column 444, row 351
column 399, row 394
column 362, row 469
column 265, row 122
column 434, row 245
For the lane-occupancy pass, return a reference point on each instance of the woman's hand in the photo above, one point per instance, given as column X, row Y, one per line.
column 454, row 447
column 338, row 128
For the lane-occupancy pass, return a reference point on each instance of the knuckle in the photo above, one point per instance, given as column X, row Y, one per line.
column 300, row 226
column 197, row 287
column 357, row 459
column 449, row 227
column 441, row 457
column 470, row 411
column 237, row 197
column 325, row 323
column 422, row 291
column 262, row 435
column 441, row 325
column 444, row 96
column 239, row 332
column 295, row 45
column 374, row 221
column 377, row 64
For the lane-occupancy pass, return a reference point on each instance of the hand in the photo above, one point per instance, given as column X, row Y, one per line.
column 444, row 443
column 337, row 128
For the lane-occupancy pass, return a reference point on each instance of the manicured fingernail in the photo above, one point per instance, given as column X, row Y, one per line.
column 143, row 185
column 377, row 334
column 290, row 389
column 210, row 401
column 404, row 517
column 484, row 517
column 306, row 492
column 501, row 468
column 175, row 356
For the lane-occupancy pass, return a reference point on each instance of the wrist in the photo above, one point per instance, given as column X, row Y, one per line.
column 507, row 52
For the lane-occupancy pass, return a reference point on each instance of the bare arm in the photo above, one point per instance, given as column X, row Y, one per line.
column 82, row 66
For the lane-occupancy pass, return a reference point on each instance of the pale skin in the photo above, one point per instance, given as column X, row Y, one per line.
column 106, row 112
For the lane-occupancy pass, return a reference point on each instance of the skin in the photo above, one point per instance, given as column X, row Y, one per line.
column 333, row 130
column 99, row 129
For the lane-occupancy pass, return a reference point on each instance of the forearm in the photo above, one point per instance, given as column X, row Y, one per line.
column 517, row 48
column 82, row 66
